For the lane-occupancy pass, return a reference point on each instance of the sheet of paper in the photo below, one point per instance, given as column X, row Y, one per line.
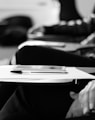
column 48, row 77
column 42, row 43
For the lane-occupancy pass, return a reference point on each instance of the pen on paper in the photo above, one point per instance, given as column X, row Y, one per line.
column 30, row 72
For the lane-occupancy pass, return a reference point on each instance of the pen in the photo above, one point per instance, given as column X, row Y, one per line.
column 19, row 72
column 28, row 72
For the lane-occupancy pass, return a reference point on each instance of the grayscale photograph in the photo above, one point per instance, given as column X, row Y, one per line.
column 47, row 59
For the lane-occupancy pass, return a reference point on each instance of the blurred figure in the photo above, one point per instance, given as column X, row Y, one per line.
column 14, row 31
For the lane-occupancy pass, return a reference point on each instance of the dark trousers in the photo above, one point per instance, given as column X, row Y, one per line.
column 40, row 101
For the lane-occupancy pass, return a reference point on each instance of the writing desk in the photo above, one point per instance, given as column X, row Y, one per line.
column 71, row 43
column 48, row 90
column 42, row 77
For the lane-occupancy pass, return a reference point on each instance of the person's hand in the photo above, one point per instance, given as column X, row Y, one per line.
column 87, row 98
column 75, row 109
column 84, row 102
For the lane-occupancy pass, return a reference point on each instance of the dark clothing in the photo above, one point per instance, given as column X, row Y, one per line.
column 76, row 30
column 38, row 101
column 68, row 10
column 42, row 101
column 70, row 31
column 40, row 55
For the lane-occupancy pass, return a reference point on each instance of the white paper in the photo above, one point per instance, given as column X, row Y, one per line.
column 59, row 77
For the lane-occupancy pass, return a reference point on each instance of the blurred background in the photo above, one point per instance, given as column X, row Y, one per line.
column 39, row 12
column 45, row 11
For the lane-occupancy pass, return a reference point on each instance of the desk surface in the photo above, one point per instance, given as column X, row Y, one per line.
column 42, row 77
column 71, row 43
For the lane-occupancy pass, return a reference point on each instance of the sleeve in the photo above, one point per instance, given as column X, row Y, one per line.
column 73, row 27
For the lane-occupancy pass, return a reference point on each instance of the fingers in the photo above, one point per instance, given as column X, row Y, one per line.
column 83, row 97
column 84, row 101
column 87, row 97
column 75, row 109
column 92, row 96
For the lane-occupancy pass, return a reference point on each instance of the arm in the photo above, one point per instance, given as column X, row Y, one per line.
column 73, row 27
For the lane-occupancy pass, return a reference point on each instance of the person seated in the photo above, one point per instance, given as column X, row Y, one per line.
column 84, row 101
column 47, row 101
column 37, row 101
column 80, row 31
column 79, row 28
